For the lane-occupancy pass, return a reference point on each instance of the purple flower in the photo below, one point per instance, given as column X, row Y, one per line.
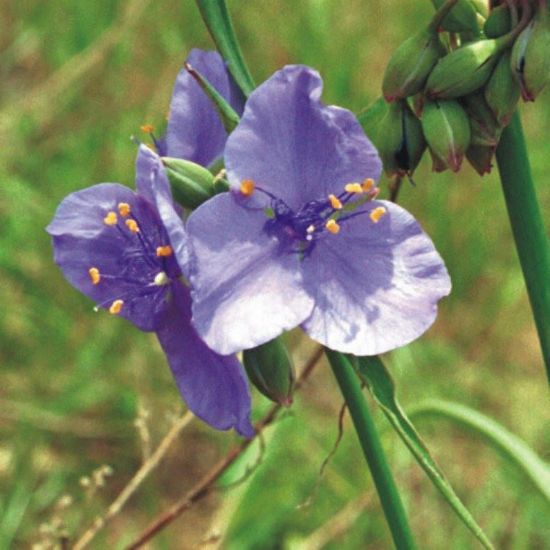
column 128, row 252
column 195, row 131
column 301, row 240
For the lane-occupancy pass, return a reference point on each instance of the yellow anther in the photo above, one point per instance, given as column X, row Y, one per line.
column 116, row 306
column 110, row 218
column 161, row 279
column 367, row 185
column 93, row 272
column 247, row 187
column 332, row 227
column 132, row 225
column 123, row 209
column 353, row 188
column 147, row 128
column 335, row 202
column 163, row 251
column 377, row 213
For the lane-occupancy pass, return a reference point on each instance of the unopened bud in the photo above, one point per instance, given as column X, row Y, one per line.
column 499, row 22
column 399, row 140
column 192, row 184
column 461, row 18
column 531, row 56
column 410, row 65
column 447, row 131
column 481, row 158
column 485, row 128
column 371, row 117
column 503, row 91
column 464, row 70
column 270, row 369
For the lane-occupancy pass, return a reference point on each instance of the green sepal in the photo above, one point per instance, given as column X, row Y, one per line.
column 502, row 92
column 371, row 117
column 192, row 184
column 481, row 158
column 485, row 128
column 228, row 116
column 499, row 22
column 461, row 18
column 270, row 368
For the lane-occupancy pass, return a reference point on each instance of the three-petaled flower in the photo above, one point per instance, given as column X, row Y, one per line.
column 301, row 239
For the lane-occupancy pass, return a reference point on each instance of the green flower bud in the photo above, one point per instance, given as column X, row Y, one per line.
column 462, row 17
column 531, row 56
column 410, row 65
column 192, row 184
column 481, row 157
column 270, row 369
column 447, row 131
column 464, row 70
column 399, row 140
column 502, row 91
column 482, row 7
column 371, row 117
column 485, row 129
column 498, row 23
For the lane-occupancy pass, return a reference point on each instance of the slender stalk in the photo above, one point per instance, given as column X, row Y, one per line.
column 527, row 226
column 372, row 449
column 216, row 17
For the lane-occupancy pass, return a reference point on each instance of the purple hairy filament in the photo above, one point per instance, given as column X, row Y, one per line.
column 298, row 231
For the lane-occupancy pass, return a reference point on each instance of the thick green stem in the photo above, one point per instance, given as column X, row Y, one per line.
column 372, row 449
column 218, row 22
column 527, row 227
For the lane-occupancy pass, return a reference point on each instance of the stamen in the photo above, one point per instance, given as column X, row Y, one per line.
column 332, row 227
column 367, row 185
column 163, row 251
column 147, row 128
column 247, row 187
column 353, row 188
column 377, row 213
column 94, row 275
column 116, row 306
column 110, row 219
column 124, row 209
column 161, row 279
column 310, row 229
column 335, row 202
column 132, row 226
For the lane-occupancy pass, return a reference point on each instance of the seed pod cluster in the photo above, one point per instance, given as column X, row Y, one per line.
column 453, row 86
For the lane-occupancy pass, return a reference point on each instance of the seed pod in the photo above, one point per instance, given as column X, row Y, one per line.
column 530, row 59
column 462, row 17
column 498, row 23
column 464, row 70
column 503, row 91
column 410, row 65
column 399, row 140
column 481, row 157
column 485, row 129
column 447, row 130
column 270, row 369
column 192, row 184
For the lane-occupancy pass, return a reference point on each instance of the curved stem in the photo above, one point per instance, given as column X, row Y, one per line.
column 527, row 227
column 372, row 449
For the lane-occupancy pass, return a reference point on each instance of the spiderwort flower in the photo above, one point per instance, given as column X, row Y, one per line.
column 300, row 238
column 128, row 252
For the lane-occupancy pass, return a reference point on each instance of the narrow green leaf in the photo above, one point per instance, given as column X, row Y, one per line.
column 508, row 444
column 228, row 116
column 218, row 22
column 379, row 382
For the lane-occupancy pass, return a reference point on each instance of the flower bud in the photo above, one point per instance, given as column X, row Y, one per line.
column 461, row 18
column 270, row 369
column 464, row 70
column 502, row 91
column 399, row 140
column 481, row 157
column 192, row 184
column 410, row 65
column 485, row 129
column 371, row 117
column 447, row 131
column 531, row 56
column 499, row 22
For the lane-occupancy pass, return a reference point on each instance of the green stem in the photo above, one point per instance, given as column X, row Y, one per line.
column 372, row 449
column 216, row 17
column 527, row 227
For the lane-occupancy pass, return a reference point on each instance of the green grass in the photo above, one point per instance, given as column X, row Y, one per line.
column 73, row 380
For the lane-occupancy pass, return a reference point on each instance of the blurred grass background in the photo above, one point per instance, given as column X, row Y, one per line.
column 77, row 79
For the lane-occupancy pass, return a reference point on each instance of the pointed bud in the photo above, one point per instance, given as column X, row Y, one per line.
column 531, row 56
column 447, row 130
column 462, row 17
column 499, row 22
column 481, row 157
column 503, row 91
column 191, row 183
column 270, row 369
column 371, row 117
column 485, row 128
column 410, row 65
column 399, row 140
column 464, row 70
